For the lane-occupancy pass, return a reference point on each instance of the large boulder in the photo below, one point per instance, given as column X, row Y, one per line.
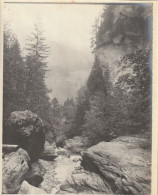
column 76, row 144
column 25, row 129
column 49, row 153
column 118, row 167
column 15, row 167
column 123, row 163
column 35, row 174
column 26, row 188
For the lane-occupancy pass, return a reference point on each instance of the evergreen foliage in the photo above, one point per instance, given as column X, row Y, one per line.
column 24, row 78
column 14, row 74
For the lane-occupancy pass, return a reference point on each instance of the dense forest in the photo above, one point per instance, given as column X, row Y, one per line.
column 111, row 103
column 24, row 85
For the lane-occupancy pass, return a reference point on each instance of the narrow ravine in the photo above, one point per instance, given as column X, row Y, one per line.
column 58, row 171
column 77, row 109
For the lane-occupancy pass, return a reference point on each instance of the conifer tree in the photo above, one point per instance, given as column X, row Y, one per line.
column 36, row 66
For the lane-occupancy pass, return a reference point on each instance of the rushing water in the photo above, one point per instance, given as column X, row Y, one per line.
column 58, row 171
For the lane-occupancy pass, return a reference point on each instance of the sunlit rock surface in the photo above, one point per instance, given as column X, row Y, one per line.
column 15, row 167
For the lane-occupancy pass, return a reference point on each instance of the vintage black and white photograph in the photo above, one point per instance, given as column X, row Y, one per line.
column 77, row 98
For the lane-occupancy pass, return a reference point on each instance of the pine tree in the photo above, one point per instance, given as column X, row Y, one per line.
column 69, row 109
column 56, row 108
column 82, row 106
column 36, row 66
column 96, row 80
column 37, row 46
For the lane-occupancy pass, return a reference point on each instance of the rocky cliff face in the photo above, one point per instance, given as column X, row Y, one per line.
column 123, row 29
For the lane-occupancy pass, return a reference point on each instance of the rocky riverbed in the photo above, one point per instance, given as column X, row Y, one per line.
column 121, row 166
column 58, row 171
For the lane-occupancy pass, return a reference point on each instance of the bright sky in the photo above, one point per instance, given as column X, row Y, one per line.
column 68, row 32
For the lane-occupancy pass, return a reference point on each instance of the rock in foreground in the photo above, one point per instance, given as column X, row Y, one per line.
column 118, row 167
column 25, row 129
column 15, row 167
column 35, row 174
column 26, row 188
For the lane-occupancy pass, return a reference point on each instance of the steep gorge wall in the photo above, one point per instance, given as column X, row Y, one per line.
column 123, row 29
column 121, row 72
